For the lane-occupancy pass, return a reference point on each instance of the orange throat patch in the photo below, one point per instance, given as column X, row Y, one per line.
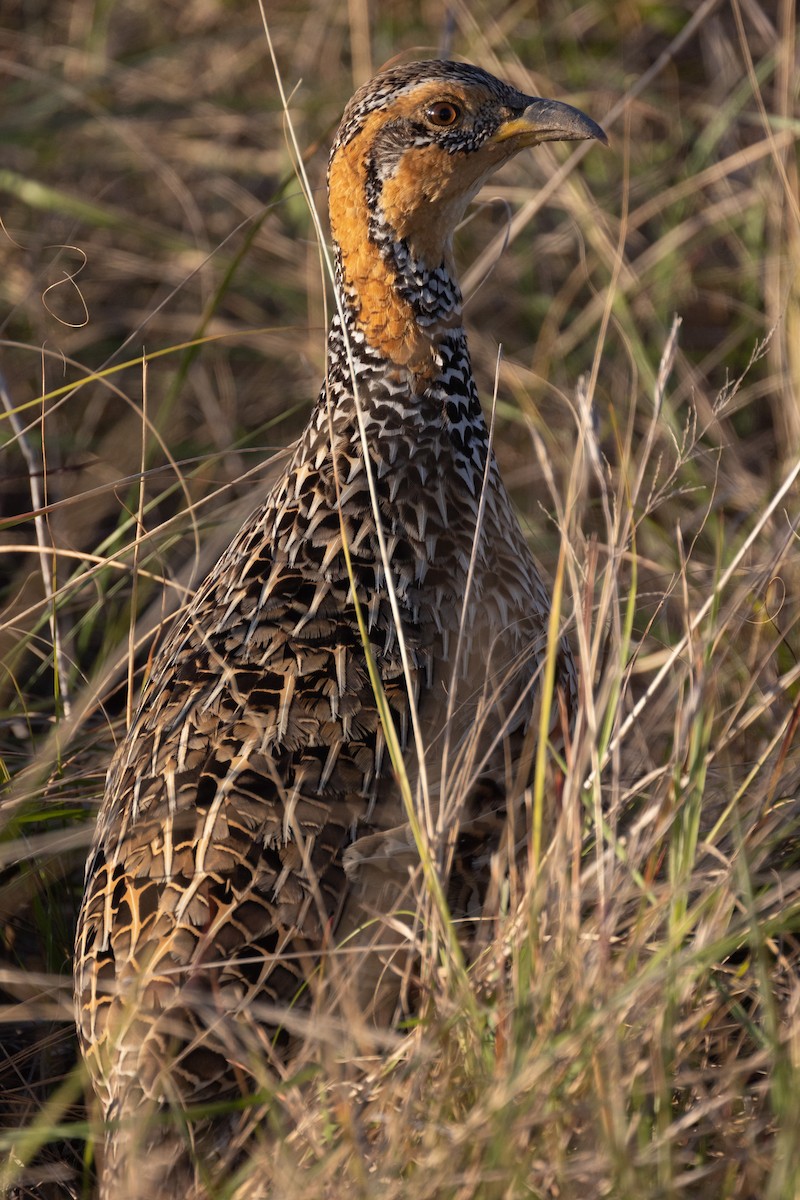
column 387, row 319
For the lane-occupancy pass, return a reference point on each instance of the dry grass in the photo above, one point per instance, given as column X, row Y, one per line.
column 632, row 1029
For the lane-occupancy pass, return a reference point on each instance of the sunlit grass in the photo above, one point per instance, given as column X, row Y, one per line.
column 630, row 1028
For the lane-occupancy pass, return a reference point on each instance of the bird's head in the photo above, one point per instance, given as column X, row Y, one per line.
column 414, row 146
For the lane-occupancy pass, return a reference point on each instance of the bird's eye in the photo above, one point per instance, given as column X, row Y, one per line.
column 443, row 113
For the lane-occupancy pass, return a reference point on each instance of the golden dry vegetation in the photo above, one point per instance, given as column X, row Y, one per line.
column 633, row 1029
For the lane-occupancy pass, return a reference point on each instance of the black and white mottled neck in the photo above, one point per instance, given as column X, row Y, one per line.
column 420, row 403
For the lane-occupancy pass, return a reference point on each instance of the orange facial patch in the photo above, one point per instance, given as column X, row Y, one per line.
column 422, row 200
column 426, row 196
column 415, row 202
column 387, row 320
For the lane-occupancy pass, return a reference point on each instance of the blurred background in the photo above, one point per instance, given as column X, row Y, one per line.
column 150, row 206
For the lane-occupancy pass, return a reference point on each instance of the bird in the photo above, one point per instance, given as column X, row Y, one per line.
column 379, row 615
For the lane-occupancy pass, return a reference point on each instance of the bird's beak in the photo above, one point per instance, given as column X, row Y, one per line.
column 549, row 121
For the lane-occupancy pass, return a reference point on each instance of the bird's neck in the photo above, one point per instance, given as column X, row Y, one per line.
column 397, row 306
column 424, row 411
column 397, row 341
column 394, row 265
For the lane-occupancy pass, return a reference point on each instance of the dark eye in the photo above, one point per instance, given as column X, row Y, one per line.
column 443, row 113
